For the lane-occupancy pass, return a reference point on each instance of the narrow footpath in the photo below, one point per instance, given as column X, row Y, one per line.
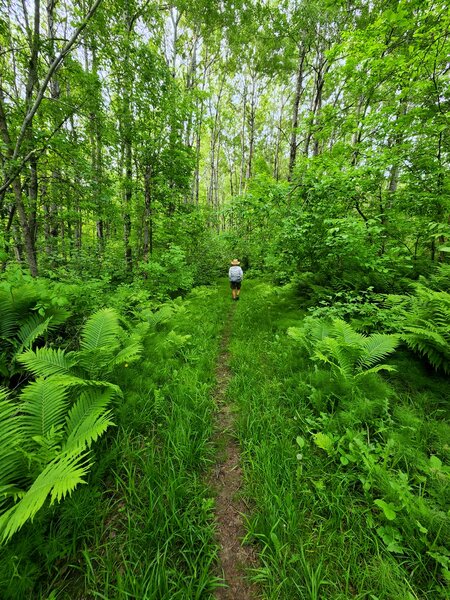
column 234, row 559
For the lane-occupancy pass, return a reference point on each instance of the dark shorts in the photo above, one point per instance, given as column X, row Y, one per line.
column 235, row 285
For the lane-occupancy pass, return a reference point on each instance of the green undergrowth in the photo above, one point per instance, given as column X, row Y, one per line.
column 344, row 458
column 142, row 527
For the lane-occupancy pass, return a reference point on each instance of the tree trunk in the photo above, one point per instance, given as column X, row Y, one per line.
column 295, row 110
column 316, row 105
column 244, row 117
column 148, row 216
column 127, row 205
column 251, row 124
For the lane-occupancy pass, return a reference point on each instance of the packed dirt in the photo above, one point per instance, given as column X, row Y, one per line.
column 235, row 560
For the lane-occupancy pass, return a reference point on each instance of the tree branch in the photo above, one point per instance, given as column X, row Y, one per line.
column 55, row 64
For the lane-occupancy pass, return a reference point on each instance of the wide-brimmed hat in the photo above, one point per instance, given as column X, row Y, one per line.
column 235, row 261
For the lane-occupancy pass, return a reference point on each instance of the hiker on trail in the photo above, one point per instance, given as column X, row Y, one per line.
column 235, row 275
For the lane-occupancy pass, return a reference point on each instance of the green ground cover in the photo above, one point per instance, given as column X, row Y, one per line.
column 143, row 526
column 344, row 468
column 344, row 441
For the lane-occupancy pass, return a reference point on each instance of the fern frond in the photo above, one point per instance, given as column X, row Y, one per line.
column 318, row 329
column 44, row 362
column 58, row 479
column 74, row 382
column 139, row 331
column 10, row 440
column 343, row 331
column 101, row 331
column 375, row 369
column 44, row 407
column 126, row 355
column 8, row 319
column 430, row 344
column 376, row 347
column 342, row 355
column 420, row 337
column 296, row 333
column 33, row 328
column 88, row 419
column 427, row 330
column 313, row 330
column 57, row 315
column 10, row 491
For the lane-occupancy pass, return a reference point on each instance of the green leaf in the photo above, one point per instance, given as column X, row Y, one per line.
column 88, row 419
column 443, row 560
column 58, row 479
column 387, row 508
column 44, row 362
column 435, row 462
column 300, row 441
column 33, row 328
column 324, row 441
column 44, row 406
column 101, row 331
column 392, row 538
column 11, row 437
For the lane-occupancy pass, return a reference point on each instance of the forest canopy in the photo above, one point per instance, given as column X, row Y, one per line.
column 307, row 133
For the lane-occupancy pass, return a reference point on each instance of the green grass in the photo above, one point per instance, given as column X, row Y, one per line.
column 143, row 526
column 320, row 531
column 347, row 483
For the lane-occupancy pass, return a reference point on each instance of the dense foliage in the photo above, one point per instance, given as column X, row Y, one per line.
column 143, row 144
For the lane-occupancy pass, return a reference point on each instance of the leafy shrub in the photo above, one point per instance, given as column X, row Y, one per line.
column 168, row 273
column 366, row 310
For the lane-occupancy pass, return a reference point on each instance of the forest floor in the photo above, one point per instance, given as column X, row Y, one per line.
column 239, row 468
column 322, row 457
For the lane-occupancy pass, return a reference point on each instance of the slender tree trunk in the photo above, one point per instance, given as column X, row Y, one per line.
column 51, row 205
column 440, row 188
column 295, row 111
column 27, row 233
column 7, row 234
column 214, row 149
column 244, row 117
column 148, row 216
column 251, row 125
column 316, row 105
column 127, row 204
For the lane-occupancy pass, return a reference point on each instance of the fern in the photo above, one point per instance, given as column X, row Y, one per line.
column 11, row 437
column 375, row 369
column 376, row 347
column 61, row 414
column 8, row 316
column 34, row 327
column 101, row 331
column 346, row 334
column 350, row 354
column 47, row 361
column 427, row 330
column 57, row 480
column 88, row 419
column 45, row 404
column 127, row 355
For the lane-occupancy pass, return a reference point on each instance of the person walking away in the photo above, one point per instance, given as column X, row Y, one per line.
column 235, row 275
